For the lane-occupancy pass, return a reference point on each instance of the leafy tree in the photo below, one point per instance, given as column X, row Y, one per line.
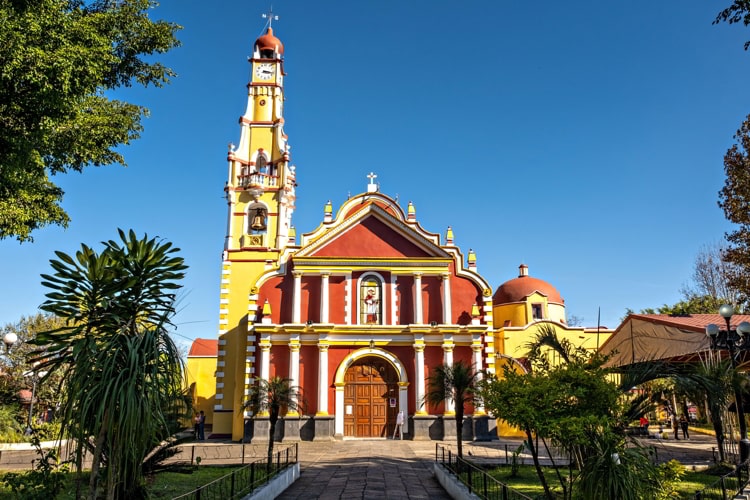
column 573, row 406
column 738, row 12
column 59, row 60
column 14, row 367
column 734, row 199
column 459, row 383
column 269, row 397
column 123, row 371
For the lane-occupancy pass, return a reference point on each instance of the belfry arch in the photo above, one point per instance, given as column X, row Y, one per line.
column 359, row 358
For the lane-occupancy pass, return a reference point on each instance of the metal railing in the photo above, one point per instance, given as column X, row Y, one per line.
column 475, row 479
column 728, row 486
column 245, row 480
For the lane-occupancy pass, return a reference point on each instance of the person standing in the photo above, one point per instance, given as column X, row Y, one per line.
column 201, row 426
column 196, row 425
column 399, row 426
column 684, row 427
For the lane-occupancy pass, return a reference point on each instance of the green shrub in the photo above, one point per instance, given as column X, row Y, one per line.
column 45, row 481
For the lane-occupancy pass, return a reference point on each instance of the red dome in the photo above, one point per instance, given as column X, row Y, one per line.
column 269, row 42
column 517, row 289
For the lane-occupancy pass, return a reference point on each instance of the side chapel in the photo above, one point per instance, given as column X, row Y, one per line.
column 360, row 311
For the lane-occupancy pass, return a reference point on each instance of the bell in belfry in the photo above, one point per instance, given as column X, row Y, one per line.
column 258, row 222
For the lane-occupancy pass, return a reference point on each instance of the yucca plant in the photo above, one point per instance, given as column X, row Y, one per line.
column 122, row 369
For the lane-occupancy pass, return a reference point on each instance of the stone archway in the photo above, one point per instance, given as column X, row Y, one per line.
column 371, row 388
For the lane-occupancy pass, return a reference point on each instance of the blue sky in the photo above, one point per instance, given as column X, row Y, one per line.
column 584, row 139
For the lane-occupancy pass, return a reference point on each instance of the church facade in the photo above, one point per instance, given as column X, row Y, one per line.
column 360, row 310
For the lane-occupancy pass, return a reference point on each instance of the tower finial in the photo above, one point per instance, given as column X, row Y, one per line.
column 270, row 16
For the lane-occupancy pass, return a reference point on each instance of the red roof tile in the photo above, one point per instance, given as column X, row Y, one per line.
column 204, row 347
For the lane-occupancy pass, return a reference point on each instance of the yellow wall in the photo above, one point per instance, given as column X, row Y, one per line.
column 200, row 371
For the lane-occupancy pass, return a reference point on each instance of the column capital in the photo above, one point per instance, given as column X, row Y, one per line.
column 448, row 347
column 445, row 276
column 297, row 274
column 419, row 347
column 294, row 346
column 265, row 346
column 476, row 347
column 403, row 385
column 323, row 347
column 325, row 274
column 417, row 275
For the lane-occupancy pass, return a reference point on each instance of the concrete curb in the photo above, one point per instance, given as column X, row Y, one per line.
column 277, row 485
column 454, row 487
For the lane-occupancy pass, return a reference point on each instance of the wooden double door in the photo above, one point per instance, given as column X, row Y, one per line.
column 370, row 398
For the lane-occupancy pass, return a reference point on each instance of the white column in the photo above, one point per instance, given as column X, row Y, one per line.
column 265, row 356
column 418, row 318
column 447, row 313
column 403, row 402
column 476, row 349
column 419, row 379
column 338, row 421
column 450, row 404
column 348, row 301
column 324, row 307
column 322, row 379
column 297, row 298
column 294, row 368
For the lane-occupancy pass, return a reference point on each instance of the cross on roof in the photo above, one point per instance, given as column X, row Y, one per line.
column 372, row 187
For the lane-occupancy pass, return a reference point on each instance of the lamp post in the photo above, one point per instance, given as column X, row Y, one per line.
column 735, row 341
column 9, row 339
column 35, row 376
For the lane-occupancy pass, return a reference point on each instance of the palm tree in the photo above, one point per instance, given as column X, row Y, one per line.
column 121, row 368
column 459, row 383
column 270, row 397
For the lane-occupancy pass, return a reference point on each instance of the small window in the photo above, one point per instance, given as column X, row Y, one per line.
column 536, row 311
column 370, row 307
column 261, row 165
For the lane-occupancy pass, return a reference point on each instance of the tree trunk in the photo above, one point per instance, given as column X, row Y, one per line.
column 719, row 431
column 274, row 417
column 537, row 466
column 459, row 431
column 98, row 446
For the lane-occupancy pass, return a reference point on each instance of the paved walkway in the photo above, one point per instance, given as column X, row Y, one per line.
column 381, row 468
column 366, row 469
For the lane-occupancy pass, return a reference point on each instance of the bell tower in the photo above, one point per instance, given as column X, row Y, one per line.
column 260, row 187
column 260, row 194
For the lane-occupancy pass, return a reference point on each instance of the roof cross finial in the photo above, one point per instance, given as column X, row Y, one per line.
column 372, row 187
column 270, row 16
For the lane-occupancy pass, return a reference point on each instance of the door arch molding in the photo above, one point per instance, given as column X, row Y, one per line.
column 348, row 361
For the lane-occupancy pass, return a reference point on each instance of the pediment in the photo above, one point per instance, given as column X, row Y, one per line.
column 372, row 234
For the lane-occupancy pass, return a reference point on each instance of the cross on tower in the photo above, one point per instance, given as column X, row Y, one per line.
column 271, row 18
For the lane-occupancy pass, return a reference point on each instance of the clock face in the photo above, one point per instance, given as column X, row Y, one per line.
column 264, row 71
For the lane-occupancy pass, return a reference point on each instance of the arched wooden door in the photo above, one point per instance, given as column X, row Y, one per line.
column 370, row 398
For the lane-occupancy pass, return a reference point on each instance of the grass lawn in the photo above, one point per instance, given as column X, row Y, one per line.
column 527, row 481
column 162, row 485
